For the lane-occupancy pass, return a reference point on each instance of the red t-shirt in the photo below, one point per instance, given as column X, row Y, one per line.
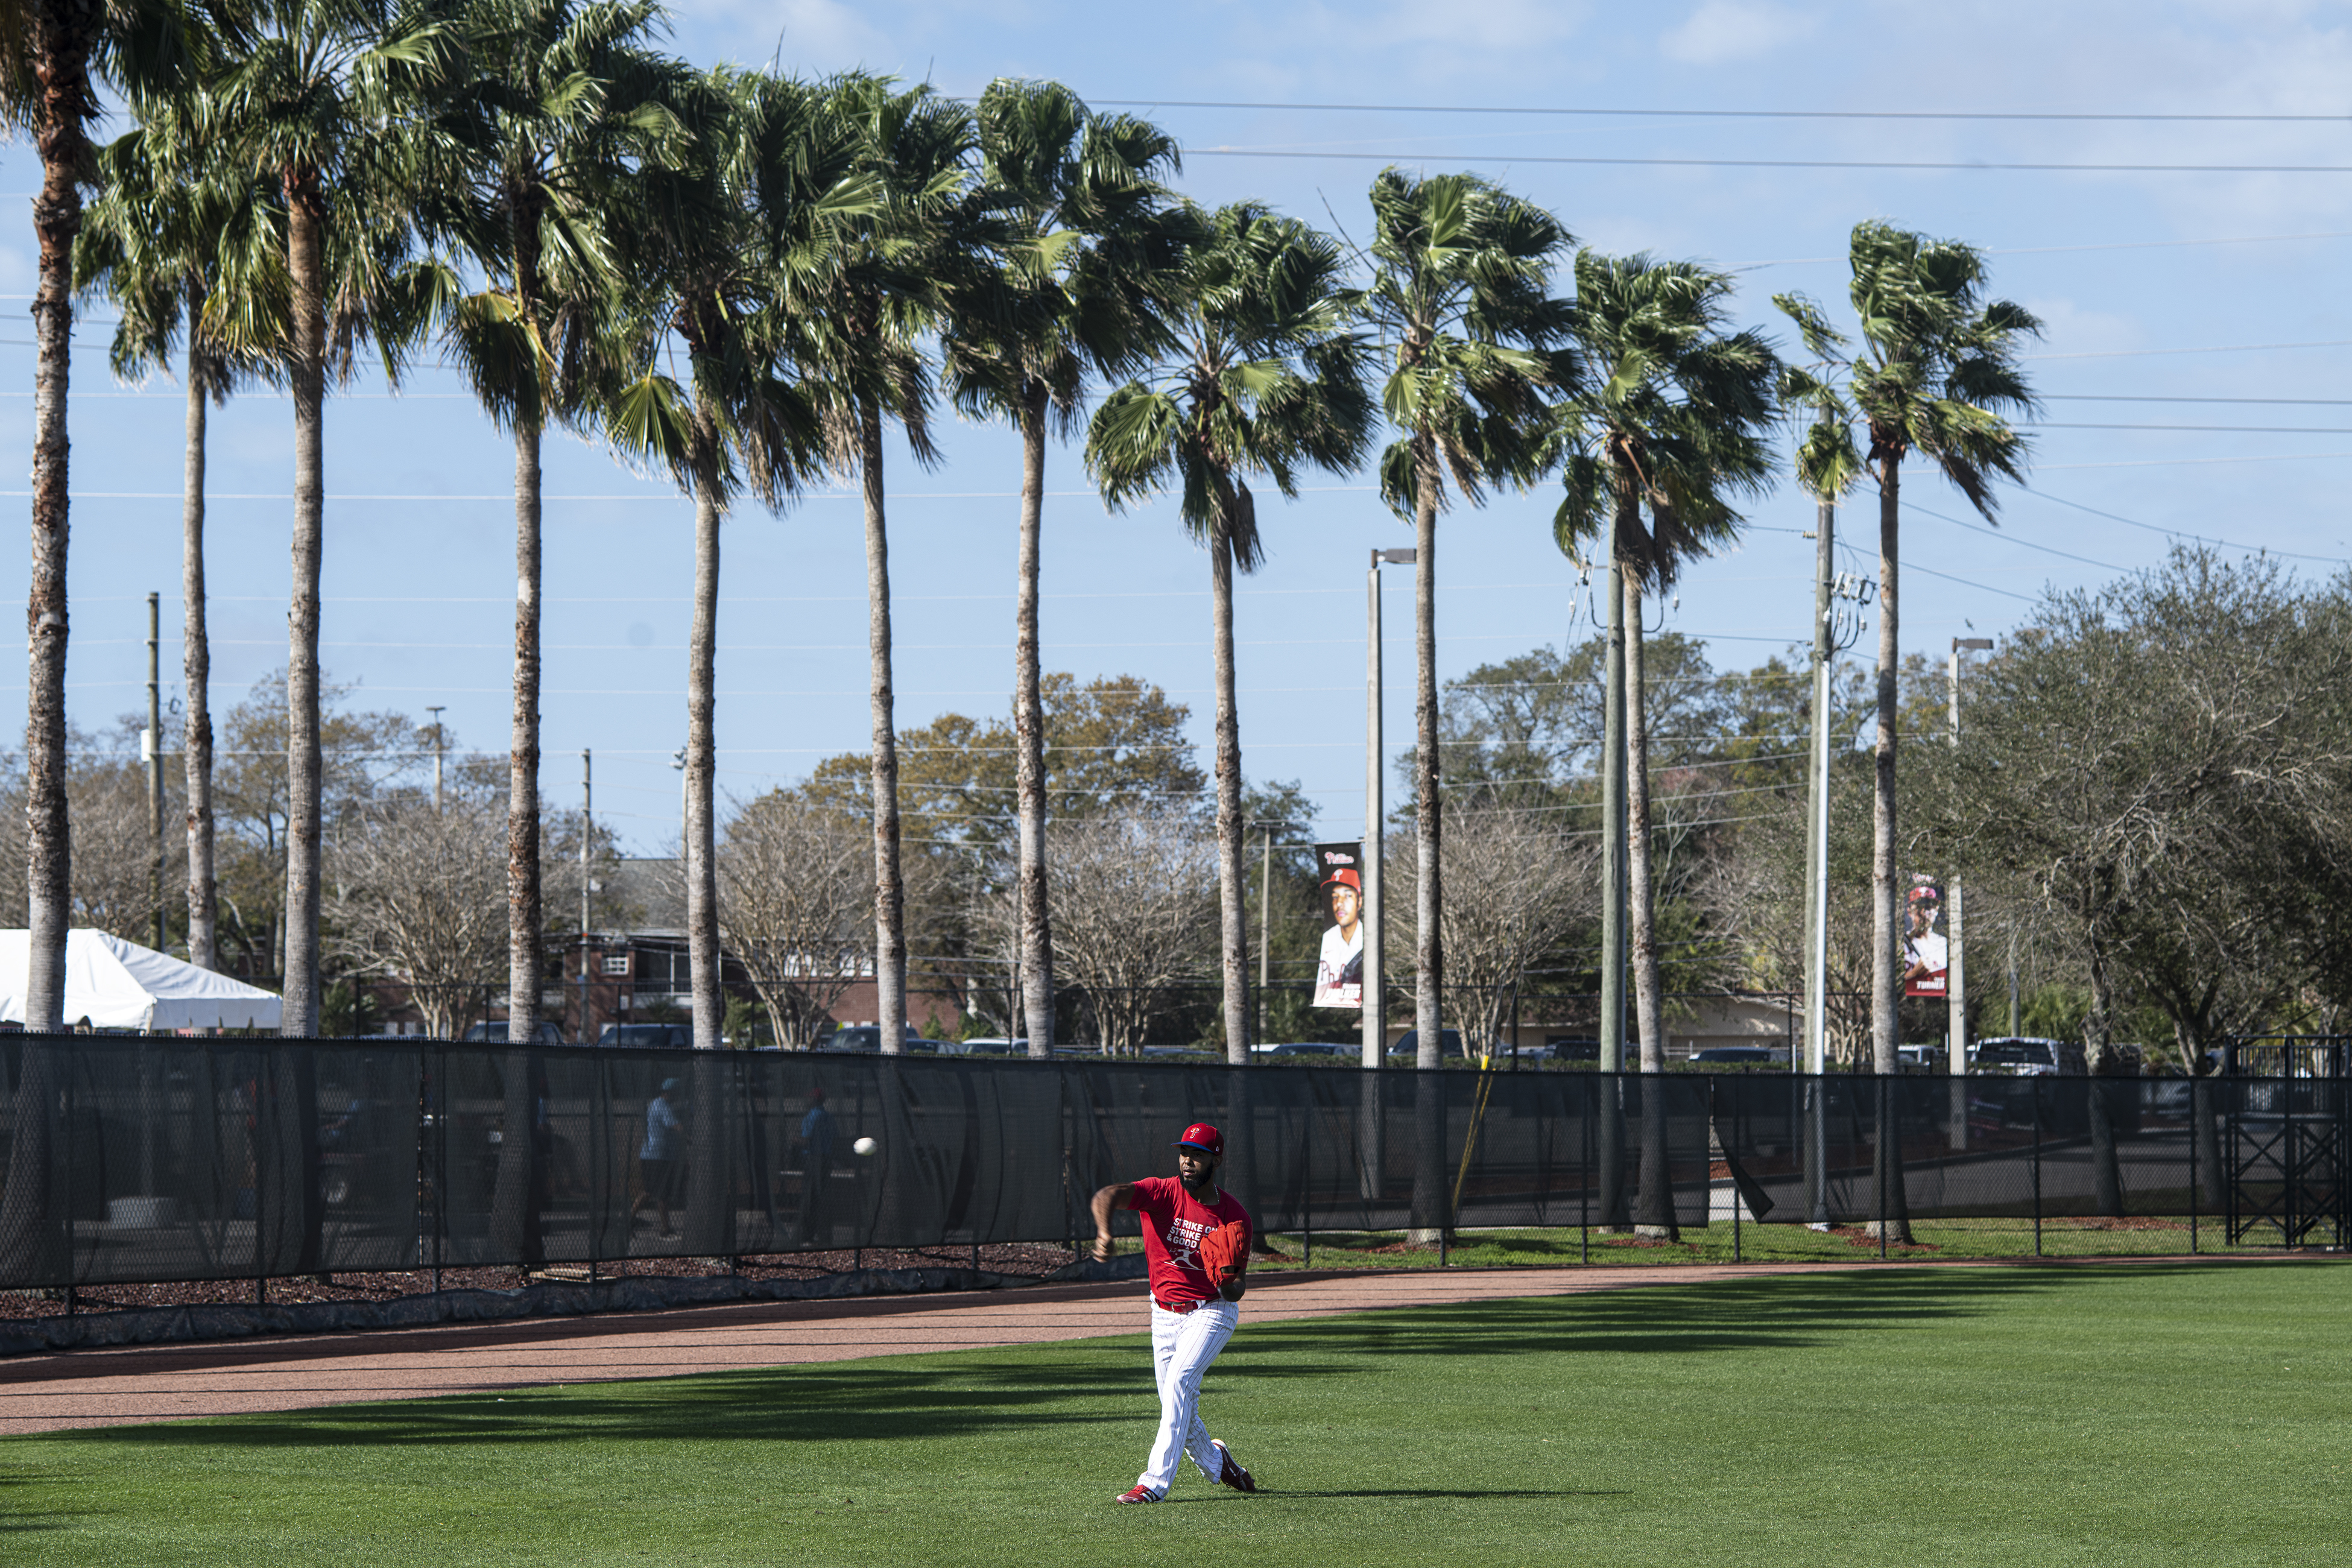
column 1174, row 1221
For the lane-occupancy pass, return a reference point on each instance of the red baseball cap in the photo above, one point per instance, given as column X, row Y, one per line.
column 1203, row 1136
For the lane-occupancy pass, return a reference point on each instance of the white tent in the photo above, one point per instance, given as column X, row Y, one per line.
column 118, row 984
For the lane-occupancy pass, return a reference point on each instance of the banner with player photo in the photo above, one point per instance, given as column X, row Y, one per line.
column 1340, row 887
column 1927, row 955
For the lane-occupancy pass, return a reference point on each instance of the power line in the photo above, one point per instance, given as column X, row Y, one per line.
column 1884, row 164
column 1557, row 112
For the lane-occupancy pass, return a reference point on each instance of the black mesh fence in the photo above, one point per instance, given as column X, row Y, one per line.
column 133, row 1159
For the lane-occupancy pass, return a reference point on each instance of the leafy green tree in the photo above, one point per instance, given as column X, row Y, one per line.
column 1669, row 434
column 1085, row 243
column 1268, row 379
column 1936, row 376
column 332, row 105
column 1474, row 346
column 166, row 220
column 762, row 201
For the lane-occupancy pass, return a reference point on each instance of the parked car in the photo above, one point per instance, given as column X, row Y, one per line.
column 1449, row 1043
column 865, row 1039
column 1741, row 1056
column 1568, row 1049
column 1922, row 1058
column 547, row 1033
column 636, row 1037
column 986, row 1046
column 1324, row 1050
column 2019, row 1056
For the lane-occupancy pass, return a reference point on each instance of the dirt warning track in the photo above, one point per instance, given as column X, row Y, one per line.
column 119, row 1385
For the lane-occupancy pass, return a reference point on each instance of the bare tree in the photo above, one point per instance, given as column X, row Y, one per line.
column 1515, row 886
column 795, row 908
column 420, row 895
column 1133, row 913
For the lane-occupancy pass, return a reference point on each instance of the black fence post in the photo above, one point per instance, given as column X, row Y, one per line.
column 1584, row 1174
column 2193, row 1087
column 2036, row 1084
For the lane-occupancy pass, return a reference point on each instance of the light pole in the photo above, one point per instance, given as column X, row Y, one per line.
column 1956, row 990
column 436, row 714
column 152, row 743
column 1376, row 1034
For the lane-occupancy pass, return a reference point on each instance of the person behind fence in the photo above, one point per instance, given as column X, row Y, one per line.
column 816, row 1163
column 1196, row 1238
column 659, row 1161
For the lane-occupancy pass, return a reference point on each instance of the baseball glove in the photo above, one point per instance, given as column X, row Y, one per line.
column 1224, row 1252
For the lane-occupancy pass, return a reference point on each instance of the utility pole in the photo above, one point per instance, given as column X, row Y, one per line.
column 153, row 747
column 587, row 831
column 1956, row 989
column 436, row 714
column 1817, row 868
column 1956, row 969
column 1264, row 923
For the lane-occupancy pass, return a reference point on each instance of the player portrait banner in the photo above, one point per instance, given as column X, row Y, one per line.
column 1339, row 885
column 1927, row 955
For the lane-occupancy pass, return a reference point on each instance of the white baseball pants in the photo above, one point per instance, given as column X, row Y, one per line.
column 1183, row 1346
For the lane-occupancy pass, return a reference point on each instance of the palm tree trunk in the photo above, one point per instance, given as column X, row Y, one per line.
column 699, row 850
column 1886, row 895
column 197, row 666
column 305, row 805
column 59, row 41
column 514, row 1216
column 523, row 891
column 1428, row 1218
column 1029, row 741
column 1656, row 1214
column 890, row 881
column 30, row 1244
column 1232, row 904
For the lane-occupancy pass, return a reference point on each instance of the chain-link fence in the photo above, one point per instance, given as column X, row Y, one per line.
column 143, row 1158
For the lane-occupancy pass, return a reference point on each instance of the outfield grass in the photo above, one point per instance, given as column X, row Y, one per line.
column 2140, row 1414
column 1932, row 1240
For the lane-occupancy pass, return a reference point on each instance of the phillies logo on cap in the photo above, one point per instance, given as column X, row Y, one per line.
column 1203, row 1136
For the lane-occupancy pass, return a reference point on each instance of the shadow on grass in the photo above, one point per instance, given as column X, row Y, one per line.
column 1108, row 1380
column 1786, row 1311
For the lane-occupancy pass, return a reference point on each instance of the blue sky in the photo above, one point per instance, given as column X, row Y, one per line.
column 2154, row 286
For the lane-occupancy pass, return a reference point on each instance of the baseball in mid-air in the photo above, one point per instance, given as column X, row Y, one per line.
column 866, row 1146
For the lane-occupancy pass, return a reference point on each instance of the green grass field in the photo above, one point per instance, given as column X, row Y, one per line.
column 2141, row 1414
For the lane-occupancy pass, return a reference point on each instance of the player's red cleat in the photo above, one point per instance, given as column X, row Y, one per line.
column 1233, row 1475
column 1141, row 1493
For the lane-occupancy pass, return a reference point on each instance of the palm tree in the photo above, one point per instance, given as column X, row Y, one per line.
column 1086, row 240
column 154, row 241
column 1459, row 298
column 52, row 58
column 1669, row 423
column 756, row 212
column 1267, row 378
column 329, row 102
column 859, row 323
column 1937, row 374
column 565, row 105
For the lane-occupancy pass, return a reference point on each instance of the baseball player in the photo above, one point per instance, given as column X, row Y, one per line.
column 1197, row 1237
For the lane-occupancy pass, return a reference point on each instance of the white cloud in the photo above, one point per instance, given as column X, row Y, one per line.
column 1722, row 31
